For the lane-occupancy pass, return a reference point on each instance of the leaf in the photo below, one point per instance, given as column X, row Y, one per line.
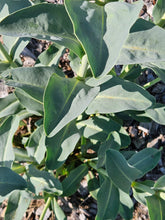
column 36, row 145
column 145, row 160
column 59, row 214
column 42, row 21
column 118, row 95
column 156, row 113
column 71, row 183
column 126, row 205
column 138, row 46
column 33, row 105
column 99, row 128
column 60, row 146
column 51, row 56
column 158, row 68
column 7, row 7
column 3, row 65
column 9, row 106
column 101, row 35
column 142, row 190
column 18, row 202
column 43, row 181
column 158, row 10
column 146, row 187
column 156, row 207
column 7, row 130
column 120, row 171
column 10, row 181
column 32, row 80
column 93, row 186
column 160, row 183
column 107, row 200
column 22, row 156
column 114, row 142
column 64, row 100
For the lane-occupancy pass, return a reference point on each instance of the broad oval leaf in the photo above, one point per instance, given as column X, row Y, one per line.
column 158, row 10
column 10, row 181
column 118, row 95
column 59, row 214
column 36, row 145
column 9, row 106
column 120, row 171
column 40, row 181
column 7, row 7
column 156, row 207
column 113, row 142
column 33, row 105
column 100, row 127
column 72, row 182
column 145, row 160
column 42, row 21
column 141, row 192
column 64, row 100
column 126, row 205
column 61, row 145
column 138, row 46
column 18, row 203
column 107, row 200
column 160, row 183
column 7, row 130
column 103, row 40
column 156, row 113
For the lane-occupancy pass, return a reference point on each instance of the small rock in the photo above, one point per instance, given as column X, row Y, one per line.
column 82, row 217
column 162, row 169
column 93, row 211
column 159, row 88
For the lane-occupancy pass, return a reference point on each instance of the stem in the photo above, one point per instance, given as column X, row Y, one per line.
column 45, row 208
column 83, row 68
column 7, row 56
column 83, row 140
column 153, row 82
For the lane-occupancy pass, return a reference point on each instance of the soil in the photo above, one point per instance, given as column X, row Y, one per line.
column 81, row 206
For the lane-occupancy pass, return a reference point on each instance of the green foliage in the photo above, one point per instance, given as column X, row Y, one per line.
column 72, row 117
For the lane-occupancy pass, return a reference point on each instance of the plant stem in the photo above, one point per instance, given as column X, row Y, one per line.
column 83, row 140
column 7, row 56
column 45, row 208
column 83, row 68
column 153, row 82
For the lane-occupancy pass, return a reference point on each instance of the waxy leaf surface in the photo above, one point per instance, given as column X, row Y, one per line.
column 156, row 207
column 61, row 145
column 99, row 128
column 42, row 21
column 10, row 181
column 7, row 130
column 71, row 183
column 118, row 95
column 145, row 160
column 64, row 100
column 40, row 181
column 158, row 10
column 139, row 48
column 120, row 171
column 18, row 203
column 9, row 106
column 107, row 200
column 36, row 145
column 96, row 28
